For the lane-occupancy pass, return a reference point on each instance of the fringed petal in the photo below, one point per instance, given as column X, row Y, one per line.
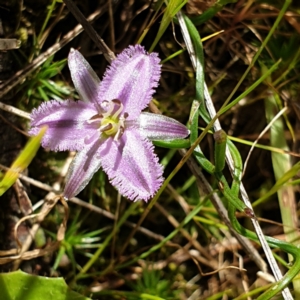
column 159, row 127
column 132, row 166
column 85, row 164
column 86, row 81
column 66, row 122
column 131, row 78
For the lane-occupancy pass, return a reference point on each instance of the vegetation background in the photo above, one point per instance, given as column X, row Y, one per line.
column 175, row 252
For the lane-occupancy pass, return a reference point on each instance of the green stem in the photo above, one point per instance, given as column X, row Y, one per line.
column 220, row 138
column 49, row 14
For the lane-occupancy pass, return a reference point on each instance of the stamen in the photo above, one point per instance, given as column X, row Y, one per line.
column 95, row 118
column 117, row 113
column 117, row 101
column 119, row 133
column 110, row 108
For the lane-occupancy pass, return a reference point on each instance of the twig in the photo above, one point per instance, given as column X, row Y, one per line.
column 278, row 115
column 108, row 54
column 13, row 126
column 9, row 44
column 111, row 24
column 194, row 242
column 14, row 111
column 22, row 254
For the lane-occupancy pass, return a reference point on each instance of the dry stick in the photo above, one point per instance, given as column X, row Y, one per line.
column 181, row 201
column 21, row 254
column 176, row 224
column 22, row 74
column 9, row 44
column 13, row 126
column 24, row 247
column 278, row 115
column 108, row 54
column 217, row 126
column 112, row 26
column 15, row 111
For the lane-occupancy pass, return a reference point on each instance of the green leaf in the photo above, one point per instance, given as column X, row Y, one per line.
column 210, row 12
column 200, row 78
column 172, row 8
column 22, row 286
column 22, row 162
column 174, row 144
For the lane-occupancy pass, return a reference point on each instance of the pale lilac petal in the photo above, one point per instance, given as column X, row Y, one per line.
column 132, row 166
column 129, row 161
column 85, row 80
column 131, row 78
column 159, row 127
column 66, row 121
column 85, row 164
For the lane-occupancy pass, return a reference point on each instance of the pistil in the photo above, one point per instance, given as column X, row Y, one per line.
column 112, row 122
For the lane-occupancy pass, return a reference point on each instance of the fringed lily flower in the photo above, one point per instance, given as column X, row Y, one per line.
column 107, row 127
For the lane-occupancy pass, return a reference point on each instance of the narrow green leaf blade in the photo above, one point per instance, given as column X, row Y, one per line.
column 172, row 8
column 22, row 162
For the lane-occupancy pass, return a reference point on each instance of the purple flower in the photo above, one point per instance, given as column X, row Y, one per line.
column 107, row 127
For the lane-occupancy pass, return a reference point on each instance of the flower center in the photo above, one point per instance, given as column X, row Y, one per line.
column 111, row 121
